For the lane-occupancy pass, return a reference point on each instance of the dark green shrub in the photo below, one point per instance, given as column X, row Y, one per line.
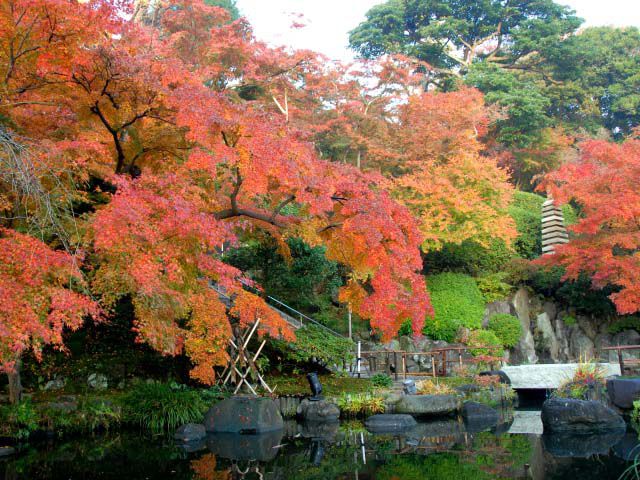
column 19, row 421
column 405, row 329
column 381, row 380
column 526, row 211
column 457, row 302
column 158, row 408
column 484, row 338
column 468, row 257
column 493, row 287
column 306, row 281
column 315, row 344
column 507, row 328
column 625, row 323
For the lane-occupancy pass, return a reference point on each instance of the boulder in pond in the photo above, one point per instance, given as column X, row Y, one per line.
column 479, row 417
column 566, row 415
column 428, row 405
column 243, row 414
column 190, row 432
column 318, row 411
column 623, row 391
column 388, row 423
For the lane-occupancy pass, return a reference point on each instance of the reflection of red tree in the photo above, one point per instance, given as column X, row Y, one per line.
column 204, row 468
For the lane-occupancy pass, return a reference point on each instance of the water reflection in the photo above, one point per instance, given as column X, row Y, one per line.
column 448, row 449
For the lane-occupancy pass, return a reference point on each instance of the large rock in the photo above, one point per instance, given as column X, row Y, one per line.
column 525, row 351
column 548, row 335
column 626, row 337
column 190, row 432
column 623, row 391
column 581, row 346
column 243, row 414
column 389, row 423
column 318, row 411
column 563, row 415
column 494, row 308
column 478, row 417
column 428, row 405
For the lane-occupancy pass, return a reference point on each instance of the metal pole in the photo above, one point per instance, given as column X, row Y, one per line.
column 350, row 328
column 358, row 360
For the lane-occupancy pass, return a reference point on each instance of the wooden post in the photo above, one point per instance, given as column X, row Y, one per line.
column 358, row 359
column 620, row 360
column 395, row 363
column 404, row 365
column 433, row 365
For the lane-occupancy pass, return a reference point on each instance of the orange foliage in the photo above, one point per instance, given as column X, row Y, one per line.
column 605, row 242
column 177, row 116
column 38, row 301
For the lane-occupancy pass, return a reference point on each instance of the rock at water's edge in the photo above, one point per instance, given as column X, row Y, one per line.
column 191, row 432
column 428, row 405
column 318, row 411
column 242, row 414
column 565, row 415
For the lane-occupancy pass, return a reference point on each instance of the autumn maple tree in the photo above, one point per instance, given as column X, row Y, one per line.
column 171, row 123
column 605, row 242
column 41, row 292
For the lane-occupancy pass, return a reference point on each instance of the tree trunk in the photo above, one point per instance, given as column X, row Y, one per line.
column 15, row 385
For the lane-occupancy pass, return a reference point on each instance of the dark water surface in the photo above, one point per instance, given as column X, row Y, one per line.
column 444, row 449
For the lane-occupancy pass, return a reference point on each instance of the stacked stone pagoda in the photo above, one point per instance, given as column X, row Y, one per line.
column 554, row 231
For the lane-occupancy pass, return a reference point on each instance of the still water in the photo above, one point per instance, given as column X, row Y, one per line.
column 444, row 449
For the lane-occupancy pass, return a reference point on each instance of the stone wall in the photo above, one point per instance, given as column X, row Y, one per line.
column 552, row 335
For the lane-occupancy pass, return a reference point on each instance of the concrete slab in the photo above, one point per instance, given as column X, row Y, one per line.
column 526, row 421
column 539, row 377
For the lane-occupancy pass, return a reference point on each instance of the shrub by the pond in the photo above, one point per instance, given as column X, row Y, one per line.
column 457, row 302
column 484, row 338
column 507, row 328
column 354, row 405
column 158, row 408
column 18, row 421
column 314, row 343
column 429, row 387
column 381, row 380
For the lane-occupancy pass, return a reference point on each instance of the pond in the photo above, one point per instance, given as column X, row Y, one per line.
column 443, row 449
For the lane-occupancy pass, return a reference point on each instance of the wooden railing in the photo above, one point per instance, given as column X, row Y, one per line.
column 626, row 364
column 394, row 362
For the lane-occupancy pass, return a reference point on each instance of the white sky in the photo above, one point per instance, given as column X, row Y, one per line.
column 329, row 21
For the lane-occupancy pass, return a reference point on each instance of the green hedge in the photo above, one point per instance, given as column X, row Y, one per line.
column 457, row 302
column 484, row 338
column 507, row 328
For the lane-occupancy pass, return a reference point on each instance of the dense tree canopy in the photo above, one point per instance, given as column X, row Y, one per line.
column 150, row 122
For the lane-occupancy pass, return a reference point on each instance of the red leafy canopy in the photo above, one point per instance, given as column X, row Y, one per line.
column 158, row 107
column 605, row 183
column 37, row 303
